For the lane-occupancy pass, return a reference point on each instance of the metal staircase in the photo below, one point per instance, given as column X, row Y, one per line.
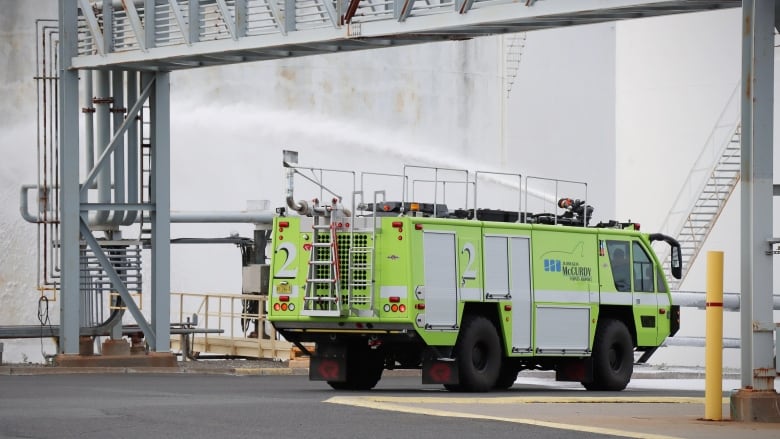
column 515, row 44
column 707, row 189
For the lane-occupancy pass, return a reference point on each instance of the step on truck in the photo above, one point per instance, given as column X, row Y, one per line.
column 471, row 296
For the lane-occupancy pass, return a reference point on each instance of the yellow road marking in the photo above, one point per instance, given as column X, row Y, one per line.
column 391, row 403
column 545, row 400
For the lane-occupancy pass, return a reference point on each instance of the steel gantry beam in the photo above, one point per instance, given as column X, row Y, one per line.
column 160, row 36
column 757, row 399
column 169, row 34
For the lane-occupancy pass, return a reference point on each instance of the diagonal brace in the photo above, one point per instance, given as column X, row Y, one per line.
column 94, row 28
column 406, row 7
column 119, row 133
column 223, row 9
column 135, row 22
column 116, row 281
column 174, row 5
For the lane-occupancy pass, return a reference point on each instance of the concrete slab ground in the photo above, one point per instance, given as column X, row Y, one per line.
column 623, row 414
column 635, row 417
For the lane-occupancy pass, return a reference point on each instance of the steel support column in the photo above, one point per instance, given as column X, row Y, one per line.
column 160, row 215
column 757, row 193
column 69, row 179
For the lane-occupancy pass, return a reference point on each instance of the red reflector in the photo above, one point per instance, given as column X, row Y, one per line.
column 662, row 311
column 283, row 224
column 402, row 307
column 394, row 308
column 277, row 307
column 507, row 307
column 419, row 306
column 284, row 298
column 397, row 224
column 418, row 227
column 394, row 299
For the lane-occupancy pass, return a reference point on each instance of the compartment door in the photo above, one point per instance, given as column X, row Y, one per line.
column 441, row 285
column 520, row 289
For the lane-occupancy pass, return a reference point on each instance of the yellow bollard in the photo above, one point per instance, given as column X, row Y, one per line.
column 713, row 345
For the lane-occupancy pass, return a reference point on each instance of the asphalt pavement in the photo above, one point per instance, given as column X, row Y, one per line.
column 657, row 404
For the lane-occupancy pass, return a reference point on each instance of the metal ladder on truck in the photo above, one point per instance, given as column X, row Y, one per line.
column 323, row 280
column 360, row 269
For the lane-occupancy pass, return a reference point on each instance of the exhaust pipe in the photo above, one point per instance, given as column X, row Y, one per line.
column 289, row 160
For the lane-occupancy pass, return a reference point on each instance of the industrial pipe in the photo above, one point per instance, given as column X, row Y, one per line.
column 698, row 300
column 23, row 204
column 132, row 151
column 254, row 217
column 103, row 137
column 117, row 92
column 89, row 120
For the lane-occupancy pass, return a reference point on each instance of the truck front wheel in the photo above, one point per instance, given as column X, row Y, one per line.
column 613, row 357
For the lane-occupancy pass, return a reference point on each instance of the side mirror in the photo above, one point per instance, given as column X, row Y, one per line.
column 676, row 256
column 676, row 262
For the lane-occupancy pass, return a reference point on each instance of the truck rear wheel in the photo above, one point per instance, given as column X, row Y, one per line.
column 613, row 357
column 364, row 369
column 507, row 376
column 478, row 354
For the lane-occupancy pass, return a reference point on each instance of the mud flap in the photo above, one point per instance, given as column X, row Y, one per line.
column 439, row 371
column 575, row 369
column 329, row 364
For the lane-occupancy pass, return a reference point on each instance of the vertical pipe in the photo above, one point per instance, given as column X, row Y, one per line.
column 117, row 91
column 132, row 149
column 68, row 96
column 89, row 121
column 102, row 138
column 713, row 350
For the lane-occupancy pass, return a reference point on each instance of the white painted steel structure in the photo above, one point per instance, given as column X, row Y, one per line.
column 159, row 36
column 170, row 34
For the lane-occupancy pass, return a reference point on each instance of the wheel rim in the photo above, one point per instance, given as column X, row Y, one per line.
column 615, row 358
column 479, row 357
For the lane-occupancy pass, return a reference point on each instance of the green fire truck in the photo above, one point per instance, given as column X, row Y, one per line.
column 470, row 296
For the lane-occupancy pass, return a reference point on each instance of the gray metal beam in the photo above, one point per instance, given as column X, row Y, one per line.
column 69, row 179
column 757, row 194
column 161, row 226
column 486, row 20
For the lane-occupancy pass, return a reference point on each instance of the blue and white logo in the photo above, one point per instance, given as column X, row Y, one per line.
column 552, row 265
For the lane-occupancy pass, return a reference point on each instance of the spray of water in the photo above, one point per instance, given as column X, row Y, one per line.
column 315, row 131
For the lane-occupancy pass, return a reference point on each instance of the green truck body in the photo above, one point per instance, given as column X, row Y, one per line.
column 470, row 302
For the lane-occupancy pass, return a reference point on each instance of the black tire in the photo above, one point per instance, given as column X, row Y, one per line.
column 506, row 376
column 478, row 355
column 613, row 357
column 364, row 369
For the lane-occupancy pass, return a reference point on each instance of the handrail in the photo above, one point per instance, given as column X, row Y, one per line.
column 231, row 316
